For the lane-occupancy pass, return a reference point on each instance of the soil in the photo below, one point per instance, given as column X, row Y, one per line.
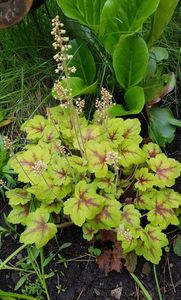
column 82, row 279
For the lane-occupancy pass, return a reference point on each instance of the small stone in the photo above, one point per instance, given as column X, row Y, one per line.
column 96, row 292
column 116, row 293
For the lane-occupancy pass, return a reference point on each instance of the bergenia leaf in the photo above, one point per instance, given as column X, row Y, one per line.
column 19, row 214
column 106, row 183
column 34, row 127
column 96, row 156
column 151, row 243
column 130, row 153
column 18, row 196
column 131, row 130
column 166, row 170
column 145, row 180
column 151, row 150
column 85, row 205
column 161, row 214
column 114, row 132
column 88, row 231
column 38, row 230
column 31, row 164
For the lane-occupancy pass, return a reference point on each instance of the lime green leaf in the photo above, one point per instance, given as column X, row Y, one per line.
column 50, row 134
column 130, row 216
column 18, row 196
column 130, row 154
column 131, row 130
column 130, row 60
column 60, row 170
column 123, row 17
column 55, row 206
column 31, row 164
column 144, row 200
column 161, row 18
column 160, row 130
column 84, row 11
column 151, row 243
column 151, row 150
column 96, row 155
column 78, row 164
column 83, row 61
column 106, row 183
column 135, row 101
column 38, row 230
column 89, row 133
column 114, row 132
column 166, row 170
column 88, row 231
column 78, row 86
column 85, row 205
column 171, row 198
column 162, row 215
column 34, row 127
column 145, row 180
column 128, row 237
column 109, row 216
column 19, row 214
column 48, row 190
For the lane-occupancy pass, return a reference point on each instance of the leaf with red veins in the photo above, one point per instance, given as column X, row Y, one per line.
column 114, row 132
column 89, row 133
column 88, row 231
column 145, row 180
column 85, row 205
column 109, row 216
column 130, row 216
column 109, row 261
column 166, row 170
column 31, row 164
column 34, row 127
column 131, row 131
column 38, row 230
column 50, row 134
column 151, row 150
column 130, row 154
column 151, row 242
column 162, row 215
column 96, row 156
column 106, row 183
column 171, row 198
column 60, row 170
column 145, row 200
column 19, row 214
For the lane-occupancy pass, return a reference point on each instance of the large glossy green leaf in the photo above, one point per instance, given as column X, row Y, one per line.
column 130, row 60
column 86, row 12
column 135, row 101
column 79, row 87
column 162, row 17
column 160, row 129
column 83, row 61
column 123, row 17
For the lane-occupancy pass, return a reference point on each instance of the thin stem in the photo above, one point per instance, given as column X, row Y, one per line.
column 11, row 256
column 157, row 284
column 43, row 273
column 143, row 289
column 64, row 225
column 16, row 296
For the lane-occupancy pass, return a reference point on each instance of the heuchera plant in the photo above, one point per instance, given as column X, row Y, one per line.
column 96, row 173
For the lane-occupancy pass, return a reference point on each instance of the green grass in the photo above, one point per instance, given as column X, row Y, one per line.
column 26, row 65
